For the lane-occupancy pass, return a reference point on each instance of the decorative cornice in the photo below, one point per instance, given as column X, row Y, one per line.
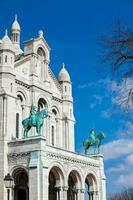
column 70, row 159
column 22, row 84
column 14, row 158
column 57, row 99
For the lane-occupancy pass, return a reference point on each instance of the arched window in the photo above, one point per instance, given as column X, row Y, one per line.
column 6, row 59
column 40, row 65
column 52, row 135
column 11, row 87
column 19, row 115
column 54, row 127
column 65, row 88
column 17, row 125
column 42, row 104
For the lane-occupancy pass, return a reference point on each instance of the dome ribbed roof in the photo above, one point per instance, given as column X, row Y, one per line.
column 15, row 25
column 64, row 75
column 6, row 43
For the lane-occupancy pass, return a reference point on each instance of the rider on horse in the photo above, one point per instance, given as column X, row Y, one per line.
column 92, row 136
column 33, row 113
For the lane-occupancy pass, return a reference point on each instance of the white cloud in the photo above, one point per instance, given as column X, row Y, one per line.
column 126, row 129
column 102, row 82
column 97, row 100
column 125, row 166
column 106, row 113
column 129, row 160
column 122, row 173
column 117, row 148
column 118, row 169
column 125, row 180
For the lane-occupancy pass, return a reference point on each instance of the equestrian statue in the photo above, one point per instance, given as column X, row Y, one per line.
column 94, row 140
column 36, row 119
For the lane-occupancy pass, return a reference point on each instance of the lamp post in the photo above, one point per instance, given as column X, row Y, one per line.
column 9, row 182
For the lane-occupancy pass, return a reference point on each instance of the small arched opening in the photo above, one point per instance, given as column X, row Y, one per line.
column 74, row 183
column 56, row 180
column 42, row 104
column 20, row 111
column 54, row 126
column 90, row 187
column 41, row 63
column 21, row 188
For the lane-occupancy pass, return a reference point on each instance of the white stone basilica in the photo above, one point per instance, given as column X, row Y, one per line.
column 44, row 167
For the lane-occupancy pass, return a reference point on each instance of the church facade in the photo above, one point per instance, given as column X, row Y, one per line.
column 45, row 166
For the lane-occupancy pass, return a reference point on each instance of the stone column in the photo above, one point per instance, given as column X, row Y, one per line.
column 61, row 193
column 91, row 196
column 95, row 195
column 65, row 189
column 45, row 184
column 48, row 131
column 35, row 177
column 33, row 181
column 82, row 194
column 46, row 62
column 58, row 191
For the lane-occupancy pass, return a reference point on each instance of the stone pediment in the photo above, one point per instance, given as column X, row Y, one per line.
column 31, row 46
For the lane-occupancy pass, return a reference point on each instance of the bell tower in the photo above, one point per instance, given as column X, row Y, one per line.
column 7, row 103
column 68, row 118
column 15, row 36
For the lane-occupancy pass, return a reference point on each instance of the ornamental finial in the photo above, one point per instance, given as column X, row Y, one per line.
column 16, row 17
column 40, row 33
column 63, row 65
column 6, row 32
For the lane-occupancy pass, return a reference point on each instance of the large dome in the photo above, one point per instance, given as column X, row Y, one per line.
column 15, row 25
column 64, row 75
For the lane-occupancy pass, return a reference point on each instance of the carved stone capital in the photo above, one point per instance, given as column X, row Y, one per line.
column 46, row 61
column 82, row 190
column 21, row 158
column 65, row 188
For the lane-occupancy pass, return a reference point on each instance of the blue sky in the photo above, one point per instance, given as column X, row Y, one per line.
column 72, row 29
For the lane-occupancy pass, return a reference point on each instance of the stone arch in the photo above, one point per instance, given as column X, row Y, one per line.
column 41, row 51
column 21, row 183
column 74, row 180
column 12, row 170
column 45, row 99
column 58, row 165
column 57, row 123
column 57, row 108
column 56, row 180
column 24, row 94
column 21, row 102
column 54, row 126
column 43, row 103
column 42, row 62
column 44, row 49
column 91, row 185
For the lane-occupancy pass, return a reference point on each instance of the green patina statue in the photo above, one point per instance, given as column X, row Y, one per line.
column 94, row 140
column 35, row 119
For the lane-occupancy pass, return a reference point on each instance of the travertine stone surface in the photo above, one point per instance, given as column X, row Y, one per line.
column 26, row 78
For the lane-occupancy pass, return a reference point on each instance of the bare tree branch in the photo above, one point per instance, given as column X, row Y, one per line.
column 118, row 53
